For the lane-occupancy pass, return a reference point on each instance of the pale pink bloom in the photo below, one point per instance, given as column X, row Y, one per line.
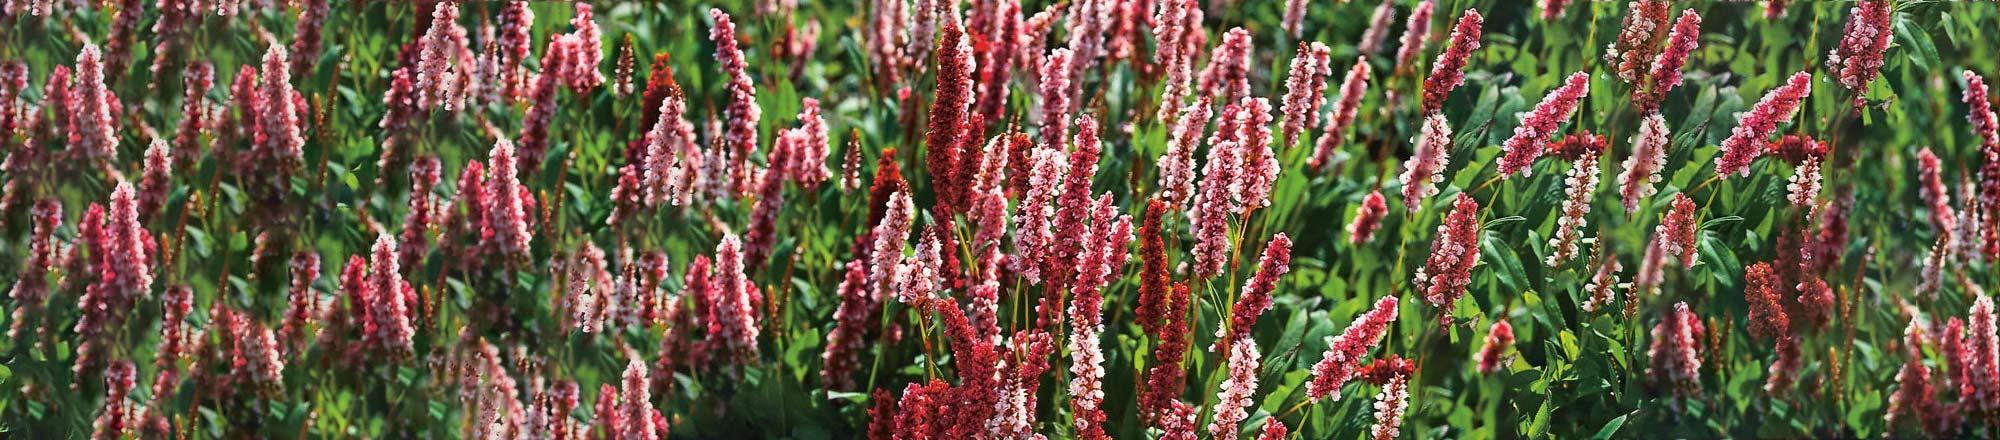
column 157, row 178
column 1638, row 40
column 1642, row 169
column 1177, row 164
column 1912, row 397
column 1252, row 185
column 1209, row 218
column 279, row 136
column 1499, row 338
column 733, row 319
column 1378, row 28
column 808, row 164
column 581, row 72
column 1858, row 58
column 1675, row 361
column 1391, row 404
column 1178, row 40
column 1416, row 32
column 741, row 113
column 1540, row 124
column 1754, row 128
column 1033, row 235
column 506, row 225
column 1237, row 389
column 1305, row 90
column 920, row 279
column 1425, row 168
column 673, row 155
column 1602, row 283
column 438, row 72
column 117, row 417
column 1931, row 187
column 1448, row 270
column 94, row 131
column 264, row 358
column 1367, row 218
column 1343, row 357
column 1088, row 21
column 1553, row 9
column 1295, row 17
column 1227, row 76
column 988, row 213
column 1337, row 123
column 1981, row 387
column 1677, row 231
column 1580, row 187
column 1055, row 102
column 1449, row 70
column 389, row 296
column 31, row 286
column 889, row 235
column 1984, row 123
column 515, row 39
column 1666, row 73
column 635, row 402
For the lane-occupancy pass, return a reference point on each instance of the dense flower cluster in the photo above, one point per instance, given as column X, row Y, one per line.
column 1858, row 58
column 1754, row 127
column 1539, row 125
column 1448, row 270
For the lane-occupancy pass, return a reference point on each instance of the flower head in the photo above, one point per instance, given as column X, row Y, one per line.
column 1754, row 127
column 1342, row 360
column 1449, row 70
column 1539, row 125
column 1416, row 31
column 1642, row 169
column 1448, row 271
column 1858, row 58
column 1425, row 168
column 1499, row 338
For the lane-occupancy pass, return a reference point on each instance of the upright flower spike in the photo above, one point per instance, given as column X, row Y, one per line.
column 1642, row 169
column 1177, row 164
column 1209, row 218
column 1342, row 360
column 1378, row 28
column 1980, row 385
column 542, row 101
column 635, row 402
column 948, row 116
column 1295, row 18
column 1539, row 125
column 1425, row 168
column 1227, row 76
column 1391, row 404
column 1073, row 207
column 1638, row 40
column 1931, row 187
column 157, row 178
column 741, row 113
column 1033, row 215
column 1913, row 395
column 117, row 416
column 1980, row 111
column 515, row 39
column 388, row 299
column 279, row 137
column 1305, row 90
column 196, row 81
column 1754, row 128
column 1449, row 70
column 31, row 287
column 93, row 130
column 581, row 73
column 438, row 70
column 1603, row 283
column 1416, row 32
column 1858, row 58
column 1252, row 186
column 889, row 236
column 1553, row 9
column 1342, row 117
column 1448, row 271
column 1666, row 73
column 506, row 218
column 1056, row 96
column 1675, row 361
column 1257, row 291
column 673, row 161
column 1178, row 39
column 1237, row 389
column 1499, row 338
column 1677, row 231
column 1580, row 185
column 1765, row 291
column 1367, row 218
column 733, row 320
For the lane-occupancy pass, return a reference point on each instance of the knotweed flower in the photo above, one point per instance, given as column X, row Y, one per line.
column 1305, row 90
column 1335, row 131
column 988, row 196
column 1177, row 164
column 1088, row 22
column 1775, row 9
column 1274, row 429
column 515, row 40
column 808, row 164
column 1553, row 9
column 1539, row 125
column 1931, row 188
column 1416, row 32
column 1086, row 386
column 1666, row 73
column 1391, row 404
column 673, row 157
column 388, row 300
column 889, row 235
column 304, row 309
column 1227, row 76
column 581, row 71
column 1499, row 338
column 1806, row 154
column 279, row 137
column 741, row 113
column 1638, row 40
column 123, row 253
column 1256, row 296
column 1056, row 96
column 506, row 217
column 1178, row 39
column 260, row 353
column 1425, row 168
column 1754, row 128
column 1343, row 356
column 1642, row 169
column 31, row 287
column 93, row 129
column 1583, row 150
column 1449, row 70
column 1166, row 377
column 196, row 81
column 1378, row 28
column 635, row 402
column 117, row 416
column 732, row 322
column 156, row 179
column 1858, row 58
column 1677, row 230
column 1073, row 207
column 1367, row 218
column 1764, row 291
column 1675, row 363
column 437, row 69
column 1930, row 277
column 542, row 101
column 1984, row 123
column 1252, row 186
column 306, row 34
column 1237, row 389
column 1602, row 282
column 947, row 117
column 1980, row 385
column 588, row 296
column 1209, row 220
column 1449, row 270
column 1912, row 397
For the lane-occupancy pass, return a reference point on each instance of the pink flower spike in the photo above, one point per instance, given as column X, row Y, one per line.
column 1425, row 168
column 1342, row 360
column 1444, row 277
column 1540, row 124
column 1858, row 58
column 1417, row 31
column 1642, row 169
column 1367, row 218
column 1754, row 128
column 1305, row 90
column 1676, row 363
column 1499, row 338
column 1335, row 132
column 1378, row 28
column 1449, row 70
column 1666, row 73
